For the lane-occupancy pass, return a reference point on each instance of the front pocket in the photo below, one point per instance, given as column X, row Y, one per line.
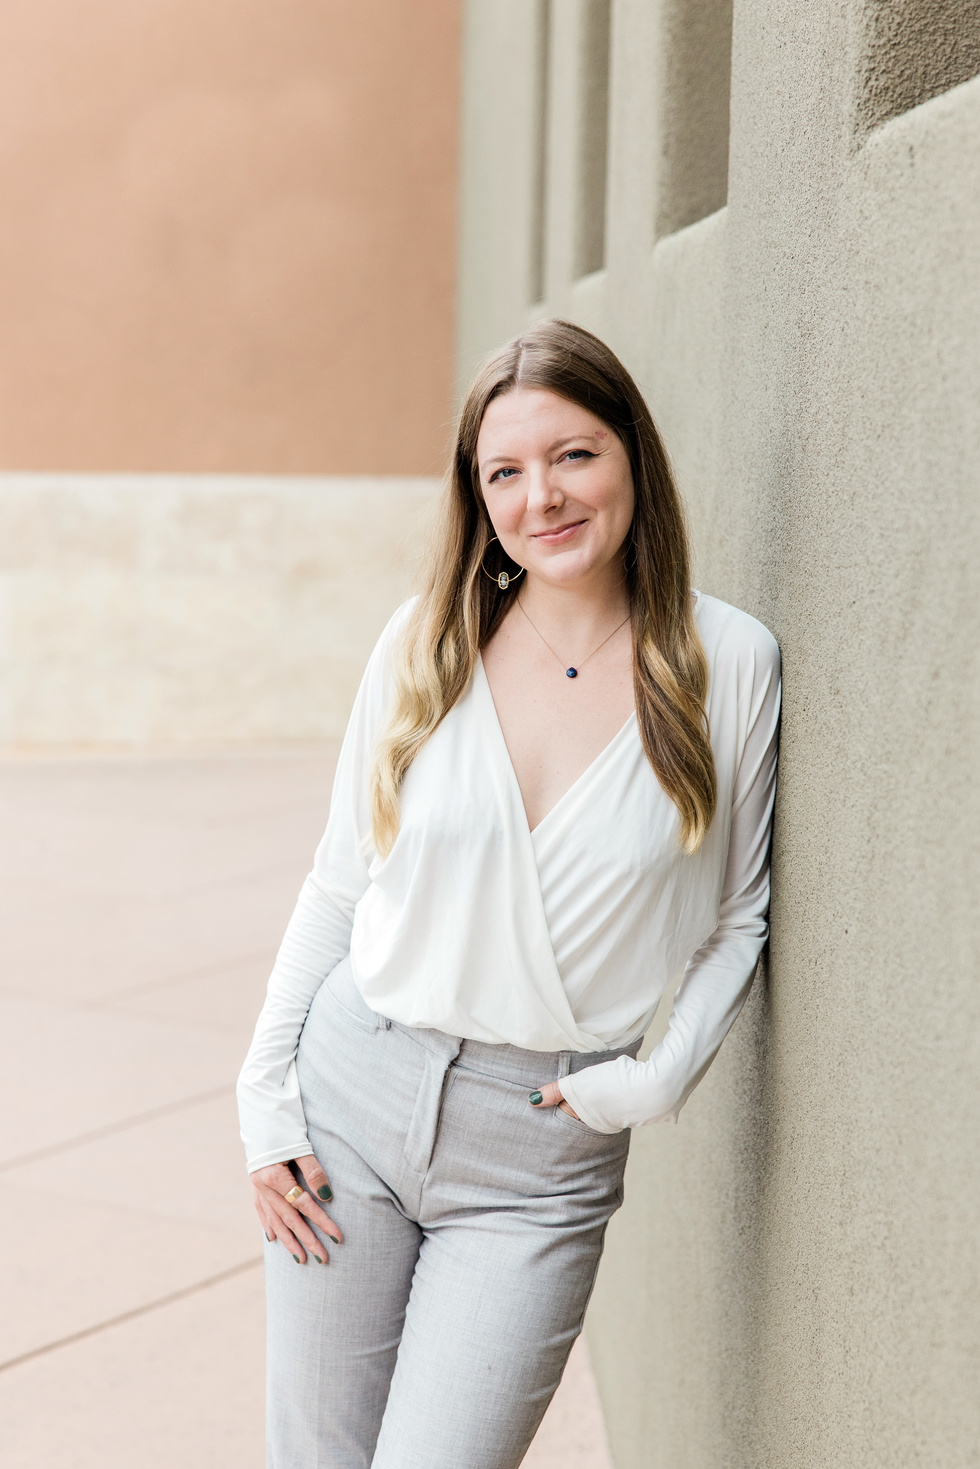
column 370, row 1023
column 577, row 1125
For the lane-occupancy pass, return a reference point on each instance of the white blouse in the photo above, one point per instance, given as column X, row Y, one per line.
column 564, row 938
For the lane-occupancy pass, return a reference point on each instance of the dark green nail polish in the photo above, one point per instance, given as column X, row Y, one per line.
column 317, row 1259
column 334, row 1238
column 325, row 1191
column 269, row 1238
column 296, row 1258
column 535, row 1099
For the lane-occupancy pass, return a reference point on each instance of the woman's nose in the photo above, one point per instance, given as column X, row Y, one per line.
column 543, row 493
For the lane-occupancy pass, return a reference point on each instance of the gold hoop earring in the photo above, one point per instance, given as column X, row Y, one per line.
column 502, row 578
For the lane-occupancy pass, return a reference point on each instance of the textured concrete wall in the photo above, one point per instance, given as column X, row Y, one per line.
column 167, row 609
column 227, row 235
column 794, row 1281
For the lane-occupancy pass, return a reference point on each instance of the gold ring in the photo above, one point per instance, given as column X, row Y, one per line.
column 294, row 1195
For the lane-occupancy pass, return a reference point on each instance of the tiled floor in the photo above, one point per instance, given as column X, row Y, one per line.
column 141, row 901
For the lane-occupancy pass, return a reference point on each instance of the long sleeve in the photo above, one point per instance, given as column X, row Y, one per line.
column 317, row 939
column 717, row 978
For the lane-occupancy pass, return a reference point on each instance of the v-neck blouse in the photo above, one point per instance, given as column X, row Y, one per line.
column 560, row 939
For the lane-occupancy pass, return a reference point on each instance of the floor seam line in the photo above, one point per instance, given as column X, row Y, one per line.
column 137, row 1311
column 111, row 1129
column 207, row 971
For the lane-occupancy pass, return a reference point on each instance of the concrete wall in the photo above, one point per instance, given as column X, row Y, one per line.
column 194, row 609
column 227, row 235
column 793, row 1281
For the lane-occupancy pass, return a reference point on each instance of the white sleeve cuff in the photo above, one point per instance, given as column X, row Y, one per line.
column 272, row 1118
column 620, row 1093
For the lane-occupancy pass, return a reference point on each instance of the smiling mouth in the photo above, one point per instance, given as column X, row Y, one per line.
column 558, row 533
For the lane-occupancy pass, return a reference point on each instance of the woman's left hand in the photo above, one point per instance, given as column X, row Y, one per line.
column 288, row 1219
column 550, row 1096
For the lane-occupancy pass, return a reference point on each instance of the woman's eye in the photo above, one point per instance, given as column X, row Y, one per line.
column 502, row 474
column 576, row 454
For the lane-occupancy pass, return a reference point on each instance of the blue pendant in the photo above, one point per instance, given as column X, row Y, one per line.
column 571, row 673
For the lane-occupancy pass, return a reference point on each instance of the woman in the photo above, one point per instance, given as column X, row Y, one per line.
column 532, row 832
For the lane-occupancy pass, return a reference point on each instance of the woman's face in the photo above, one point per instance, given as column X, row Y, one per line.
column 557, row 485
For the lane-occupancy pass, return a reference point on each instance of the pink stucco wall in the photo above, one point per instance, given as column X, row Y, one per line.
column 226, row 234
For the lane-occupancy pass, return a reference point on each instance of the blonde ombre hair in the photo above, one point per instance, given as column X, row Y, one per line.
column 459, row 608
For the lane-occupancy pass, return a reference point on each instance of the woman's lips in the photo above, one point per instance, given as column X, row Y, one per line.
column 559, row 534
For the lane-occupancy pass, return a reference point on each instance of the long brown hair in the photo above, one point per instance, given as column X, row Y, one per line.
column 459, row 607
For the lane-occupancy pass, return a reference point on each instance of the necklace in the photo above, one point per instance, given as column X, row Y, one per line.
column 573, row 672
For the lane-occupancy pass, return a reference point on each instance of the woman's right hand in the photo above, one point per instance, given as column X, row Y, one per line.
column 287, row 1222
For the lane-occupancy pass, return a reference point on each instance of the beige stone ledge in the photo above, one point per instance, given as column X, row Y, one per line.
column 142, row 610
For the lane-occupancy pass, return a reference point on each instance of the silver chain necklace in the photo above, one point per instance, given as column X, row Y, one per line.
column 573, row 672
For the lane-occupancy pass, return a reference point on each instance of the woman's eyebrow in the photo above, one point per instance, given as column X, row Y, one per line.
column 558, row 444
column 570, row 439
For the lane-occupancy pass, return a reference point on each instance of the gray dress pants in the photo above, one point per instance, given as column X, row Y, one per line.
column 473, row 1225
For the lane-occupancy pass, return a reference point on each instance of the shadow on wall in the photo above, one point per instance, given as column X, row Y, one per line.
column 913, row 50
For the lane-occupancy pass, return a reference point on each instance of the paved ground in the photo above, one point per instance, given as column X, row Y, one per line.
column 140, row 905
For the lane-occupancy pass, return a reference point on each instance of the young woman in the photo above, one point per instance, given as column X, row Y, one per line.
column 554, row 796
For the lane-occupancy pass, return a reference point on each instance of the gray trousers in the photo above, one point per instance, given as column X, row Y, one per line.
column 473, row 1225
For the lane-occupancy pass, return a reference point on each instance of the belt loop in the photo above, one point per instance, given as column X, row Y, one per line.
column 564, row 1064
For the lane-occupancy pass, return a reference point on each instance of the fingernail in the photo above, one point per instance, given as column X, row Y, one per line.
column 317, row 1259
column 333, row 1238
column 325, row 1191
column 535, row 1099
column 269, row 1238
column 296, row 1258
